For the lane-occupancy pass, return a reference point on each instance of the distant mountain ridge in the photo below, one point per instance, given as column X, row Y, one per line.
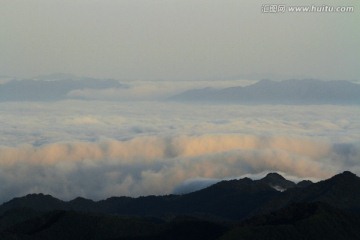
column 51, row 88
column 270, row 208
column 305, row 91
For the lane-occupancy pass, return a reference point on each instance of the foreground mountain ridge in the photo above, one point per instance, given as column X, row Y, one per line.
column 230, row 199
column 250, row 193
column 269, row 208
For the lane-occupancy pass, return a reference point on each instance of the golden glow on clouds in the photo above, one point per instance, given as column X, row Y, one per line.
column 156, row 165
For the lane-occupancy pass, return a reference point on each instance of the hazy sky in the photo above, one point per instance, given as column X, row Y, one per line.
column 177, row 39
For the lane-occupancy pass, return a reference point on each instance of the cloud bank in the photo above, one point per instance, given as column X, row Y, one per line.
column 157, row 165
column 39, row 123
column 97, row 149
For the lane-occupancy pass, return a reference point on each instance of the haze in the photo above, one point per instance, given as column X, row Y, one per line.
column 176, row 39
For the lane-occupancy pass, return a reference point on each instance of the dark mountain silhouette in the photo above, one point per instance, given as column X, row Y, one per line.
column 61, row 225
column 38, row 202
column 277, row 181
column 304, row 183
column 298, row 221
column 311, row 221
column 305, row 91
column 234, row 199
column 341, row 191
column 234, row 209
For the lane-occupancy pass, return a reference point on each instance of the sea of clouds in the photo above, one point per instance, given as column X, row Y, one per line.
column 99, row 148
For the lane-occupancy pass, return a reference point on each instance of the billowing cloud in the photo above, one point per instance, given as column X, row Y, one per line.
column 98, row 149
column 157, row 165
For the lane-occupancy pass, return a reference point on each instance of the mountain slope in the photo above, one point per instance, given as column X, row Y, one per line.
column 234, row 199
column 341, row 191
column 234, row 209
column 277, row 181
column 61, row 225
column 286, row 92
column 51, row 89
column 311, row 221
column 228, row 200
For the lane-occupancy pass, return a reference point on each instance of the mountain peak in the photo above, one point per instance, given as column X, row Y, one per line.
column 274, row 176
column 277, row 181
column 38, row 201
column 345, row 178
column 346, row 175
column 39, row 195
column 304, row 183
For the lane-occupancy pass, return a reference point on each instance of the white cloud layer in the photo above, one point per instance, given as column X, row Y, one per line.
column 99, row 149
column 39, row 123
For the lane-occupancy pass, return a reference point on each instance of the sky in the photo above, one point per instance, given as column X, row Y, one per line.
column 177, row 40
column 129, row 140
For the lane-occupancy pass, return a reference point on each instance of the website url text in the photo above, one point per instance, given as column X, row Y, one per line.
column 282, row 8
